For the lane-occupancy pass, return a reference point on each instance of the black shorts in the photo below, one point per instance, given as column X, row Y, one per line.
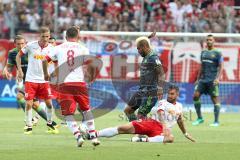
column 207, row 88
column 144, row 101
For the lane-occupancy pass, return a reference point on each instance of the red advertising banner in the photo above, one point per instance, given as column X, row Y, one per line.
column 231, row 65
column 127, row 66
column 114, row 65
column 5, row 46
column 186, row 62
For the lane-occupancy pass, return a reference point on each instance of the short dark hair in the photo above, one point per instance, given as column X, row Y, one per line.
column 210, row 35
column 44, row 29
column 173, row 87
column 72, row 32
column 52, row 38
column 18, row 37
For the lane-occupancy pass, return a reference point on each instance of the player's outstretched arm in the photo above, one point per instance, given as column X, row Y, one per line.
column 19, row 68
column 183, row 129
column 153, row 34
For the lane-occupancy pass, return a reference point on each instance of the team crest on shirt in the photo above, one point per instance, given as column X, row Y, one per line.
column 172, row 112
column 39, row 56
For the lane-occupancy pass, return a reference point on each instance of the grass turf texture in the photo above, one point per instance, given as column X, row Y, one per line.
column 212, row 143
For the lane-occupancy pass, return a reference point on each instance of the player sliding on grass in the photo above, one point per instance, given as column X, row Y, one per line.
column 158, row 128
column 71, row 86
column 7, row 73
column 35, row 85
column 208, row 80
column 151, row 78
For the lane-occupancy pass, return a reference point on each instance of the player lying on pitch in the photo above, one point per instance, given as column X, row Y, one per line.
column 158, row 128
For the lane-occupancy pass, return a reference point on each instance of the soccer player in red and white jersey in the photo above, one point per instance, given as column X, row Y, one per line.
column 35, row 85
column 158, row 128
column 71, row 86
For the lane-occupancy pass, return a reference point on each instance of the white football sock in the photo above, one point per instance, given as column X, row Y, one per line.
column 89, row 122
column 91, row 128
column 49, row 115
column 108, row 132
column 154, row 139
column 72, row 125
column 42, row 104
column 37, row 116
column 28, row 117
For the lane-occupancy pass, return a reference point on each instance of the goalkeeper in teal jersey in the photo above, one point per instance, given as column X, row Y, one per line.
column 11, row 62
column 208, row 80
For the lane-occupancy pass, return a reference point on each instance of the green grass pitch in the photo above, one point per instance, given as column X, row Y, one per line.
column 222, row 143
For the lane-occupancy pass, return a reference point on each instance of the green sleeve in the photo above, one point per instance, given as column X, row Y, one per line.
column 11, row 60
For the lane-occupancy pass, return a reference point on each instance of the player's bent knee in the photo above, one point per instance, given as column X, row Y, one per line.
column 34, row 106
column 196, row 97
column 215, row 100
column 48, row 103
column 20, row 96
column 29, row 104
column 128, row 110
column 196, row 94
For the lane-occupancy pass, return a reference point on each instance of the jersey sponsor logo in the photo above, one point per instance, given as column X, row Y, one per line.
column 207, row 60
column 39, row 56
column 171, row 111
column 213, row 56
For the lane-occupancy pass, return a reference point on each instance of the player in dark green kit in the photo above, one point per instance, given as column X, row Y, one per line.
column 151, row 78
column 11, row 63
column 208, row 80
